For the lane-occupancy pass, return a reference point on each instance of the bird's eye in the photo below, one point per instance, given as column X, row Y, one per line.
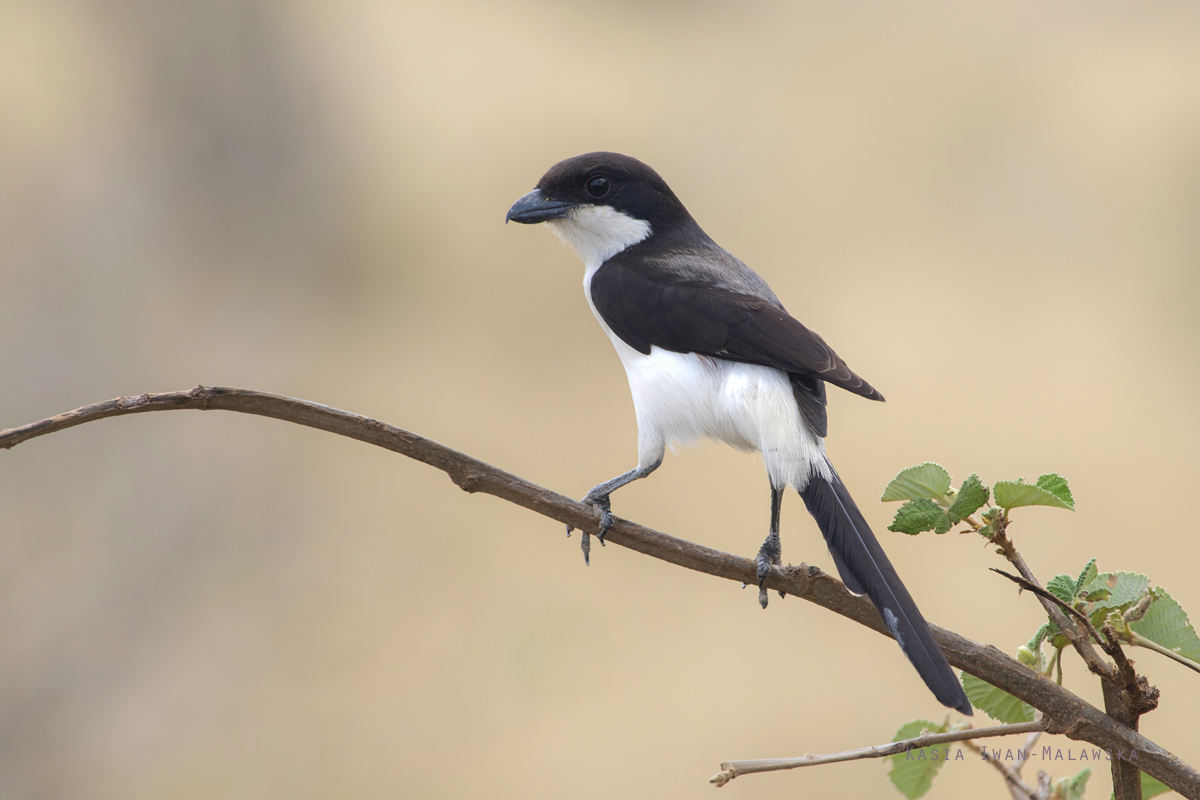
column 597, row 187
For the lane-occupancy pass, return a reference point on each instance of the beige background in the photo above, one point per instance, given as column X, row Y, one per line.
column 992, row 211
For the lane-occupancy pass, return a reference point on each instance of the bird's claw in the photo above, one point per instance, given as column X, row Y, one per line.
column 767, row 558
column 602, row 503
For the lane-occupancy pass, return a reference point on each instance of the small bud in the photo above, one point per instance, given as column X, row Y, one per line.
column 1026, row 656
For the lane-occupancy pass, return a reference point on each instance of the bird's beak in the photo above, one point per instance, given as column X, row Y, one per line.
column 536, row 207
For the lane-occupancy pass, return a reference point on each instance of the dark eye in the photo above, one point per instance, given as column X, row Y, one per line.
column 597, row 187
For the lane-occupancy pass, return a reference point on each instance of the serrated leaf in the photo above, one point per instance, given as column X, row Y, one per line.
column 1151, row 787
column 1062, row 587
column 1097, row 595
column 916, row 516
column 1057, row 485
column 1054, row 635
column 1015, row 494
column 945, row 523
column 1126, row 588
column 996, row 703
column 1167, row 624
column 1072, row 788
column 929, row 481
column 1086, row 576
column 913, row 772
column 970, row 498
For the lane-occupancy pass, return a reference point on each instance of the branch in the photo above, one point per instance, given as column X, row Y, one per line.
column 1027, row 749
column 1012, row 779
column 732, row 769
column 1065, row 713
column 1030, row 586
column 1018, row 791
column 1082, row 646
column 1137, row 640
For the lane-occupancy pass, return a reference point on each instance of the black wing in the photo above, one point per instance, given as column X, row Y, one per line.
column 646, row 306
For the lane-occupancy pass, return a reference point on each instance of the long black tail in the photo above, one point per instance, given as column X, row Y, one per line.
column 865, row 569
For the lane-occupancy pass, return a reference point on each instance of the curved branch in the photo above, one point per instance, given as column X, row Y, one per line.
column 1065, row 713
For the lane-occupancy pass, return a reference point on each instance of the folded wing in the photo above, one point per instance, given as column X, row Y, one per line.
column 679, row 313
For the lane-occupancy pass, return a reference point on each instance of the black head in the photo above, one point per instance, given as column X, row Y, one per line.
column 601, row 179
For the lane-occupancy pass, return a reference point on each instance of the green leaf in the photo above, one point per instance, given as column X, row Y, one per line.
column 1125, row 588
column 996, row 703
column 913, row 771
column 916, row 516
column 1036, row 642
column 1099, row 617
column 1151, row 787
column 1014, row 494
column 1086, row 576
column 1062, row 587
column 929, row 481
column 1167, row 624
column 1056, row 485
column 922, row 485
column 1072, row 788
column 971, row 497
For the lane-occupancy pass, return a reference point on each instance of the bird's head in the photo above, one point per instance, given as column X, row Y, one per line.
column 600, row 204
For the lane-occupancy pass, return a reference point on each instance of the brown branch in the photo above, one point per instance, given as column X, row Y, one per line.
column 732, row 769
column 1127, row 782
column 1081, row 644
column 1126, row 695
column 1065, row 713
column 1030, row 586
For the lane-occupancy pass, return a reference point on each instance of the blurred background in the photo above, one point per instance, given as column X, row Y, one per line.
column 991, row 211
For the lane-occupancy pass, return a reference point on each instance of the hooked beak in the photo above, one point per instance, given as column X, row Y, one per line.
column 536, row 207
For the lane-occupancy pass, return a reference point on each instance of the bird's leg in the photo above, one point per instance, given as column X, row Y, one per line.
column 771, row 552
column 598, row 498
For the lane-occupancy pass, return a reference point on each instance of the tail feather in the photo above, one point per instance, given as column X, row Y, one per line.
column 865, row 569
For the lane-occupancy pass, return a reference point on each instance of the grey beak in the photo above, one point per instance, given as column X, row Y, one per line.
column 536, row 207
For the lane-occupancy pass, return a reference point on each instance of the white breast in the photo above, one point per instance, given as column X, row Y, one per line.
column 680, row 398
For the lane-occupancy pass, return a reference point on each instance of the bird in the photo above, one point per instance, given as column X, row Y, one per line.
column 711, row 353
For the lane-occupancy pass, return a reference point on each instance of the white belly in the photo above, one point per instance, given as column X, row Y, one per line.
column 680, row 398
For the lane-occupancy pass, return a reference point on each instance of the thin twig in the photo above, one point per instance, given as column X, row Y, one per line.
column 1139, row 697
column 1082, row 645
column 1071, row 715
column 1017, row 787
column 1031, row 586
column 1030, row 742
column 732, row 769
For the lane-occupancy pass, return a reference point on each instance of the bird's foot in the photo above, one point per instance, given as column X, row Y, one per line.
column 769, row 555
column 604, row 506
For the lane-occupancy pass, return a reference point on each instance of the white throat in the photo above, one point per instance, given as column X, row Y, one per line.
column 597, row 233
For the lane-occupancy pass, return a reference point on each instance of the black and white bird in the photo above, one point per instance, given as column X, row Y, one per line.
column 710, row 352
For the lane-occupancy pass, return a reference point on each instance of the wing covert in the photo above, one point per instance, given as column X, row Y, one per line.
column 647, row 307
